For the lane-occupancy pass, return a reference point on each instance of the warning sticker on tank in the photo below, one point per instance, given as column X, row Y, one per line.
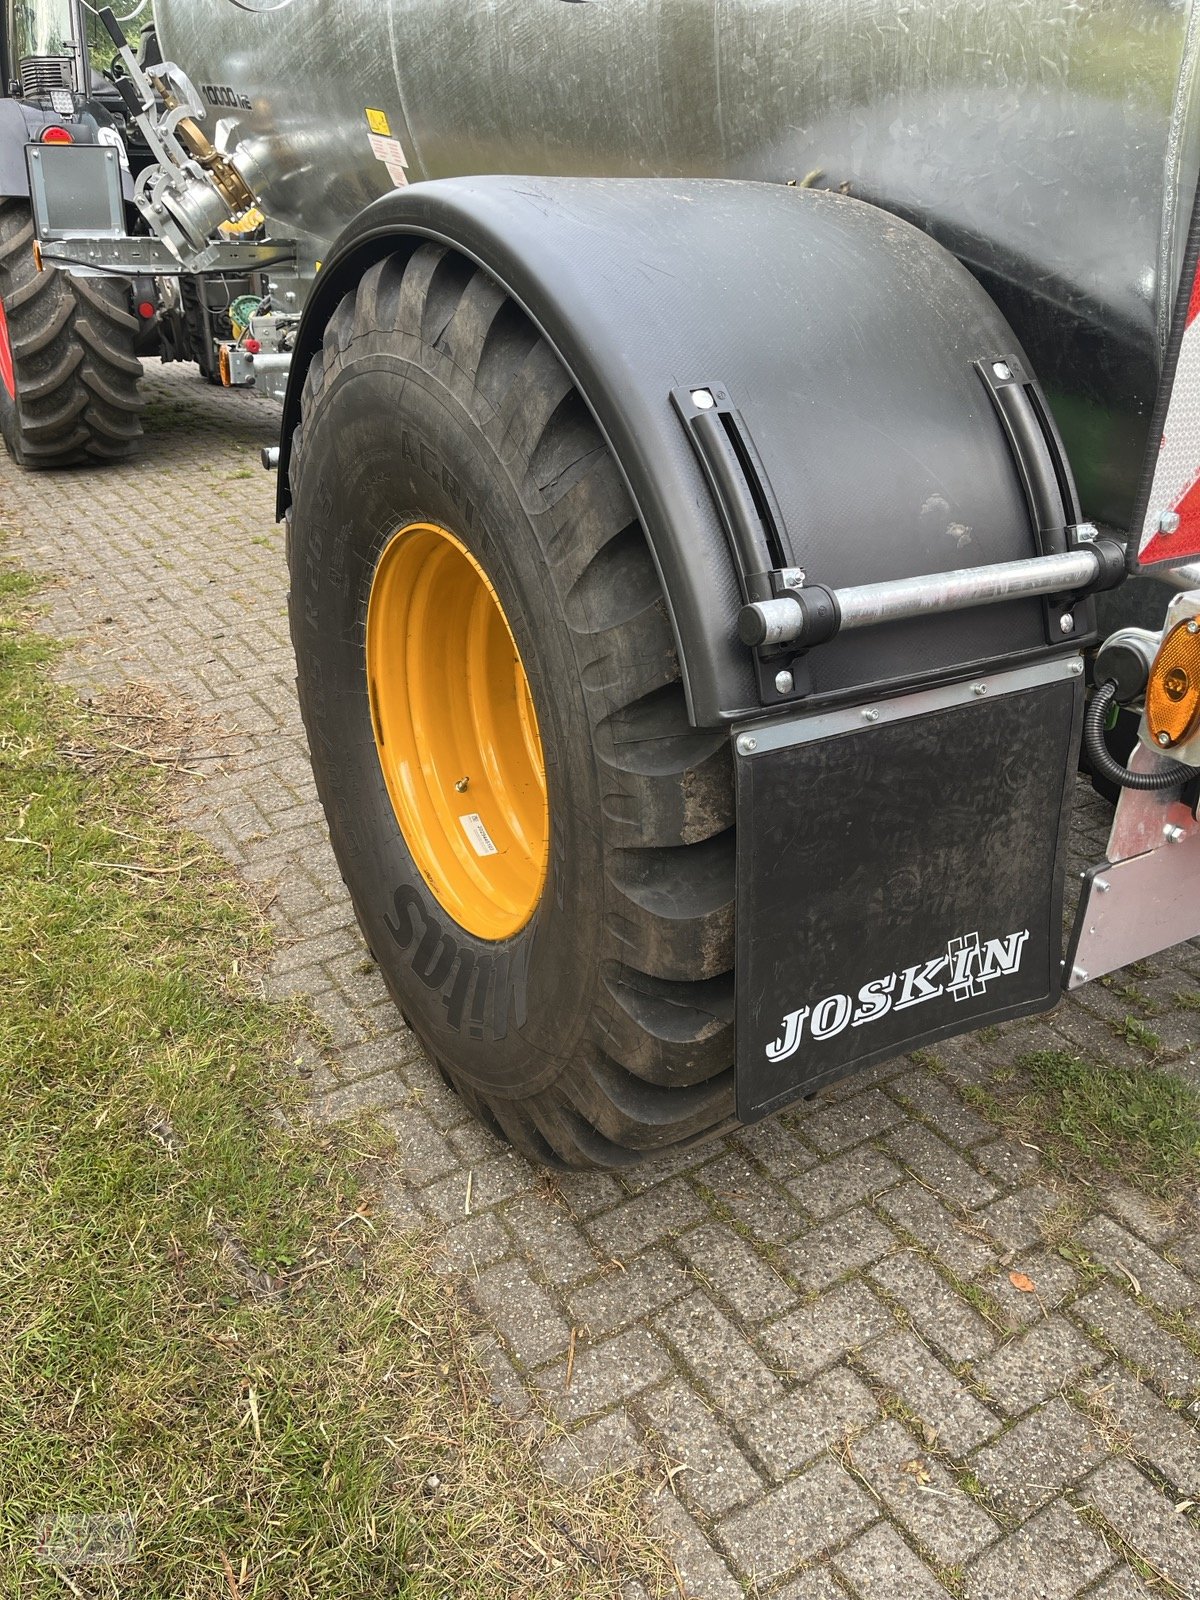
column 378, row 123
column 481, row 839
column 391, row 153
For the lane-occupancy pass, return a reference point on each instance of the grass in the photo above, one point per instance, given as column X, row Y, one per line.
column 1135, row 1032
column 203, row 1331
column 1140, row 1123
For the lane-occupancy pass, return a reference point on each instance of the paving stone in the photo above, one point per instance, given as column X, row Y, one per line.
column 586, row 1194
column 776, row 1147
column 827, row 1329
column 1054, row 1280
column 505, row 1387
column 909, row 1368
column 725, row 1262
column 1053, row 1557
column 814, row 1512
column 719, row 1355
column 421, row 1149
column 657, row 1168
column 813, row 1585
column 353, row 1099
column 809, row 1420
column 473, row 1143
column 473, row 1244
column 834, row 1249
column 704, row 1574
column 717, row 1475
column 1137, row 1211
column 1122, row 1253
column 624, row 1295
column 922, row 1496
column 837, row 1127
column 921, row 1214
column 441, row 1105
column 1051, row 1356
column 549, row 1240
column 941, row 1167
column 880, row 1566
column 1185, row 1249
column 1161, row 1437
column 1038, row 1458
column 466, row 1193
column 753, row 1200
column 1015, row 1221
column 1006, row 1160
column 1121, row 1584
column 1135, row 1335
column 646, row 1219
column 604, row 1374
column 938, row 1104
column 848, row 1179
column 535, row 1328
column 939, row 1314
column 593, row 1451
column 397, row 1204
column 1148, row 1522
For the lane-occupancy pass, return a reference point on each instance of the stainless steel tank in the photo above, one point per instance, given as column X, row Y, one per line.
column 1053, row 145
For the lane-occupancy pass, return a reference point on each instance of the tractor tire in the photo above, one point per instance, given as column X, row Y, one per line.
column 471, row 588
column 68, row 371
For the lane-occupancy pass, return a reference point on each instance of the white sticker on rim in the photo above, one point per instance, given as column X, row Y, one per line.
column 481, row 839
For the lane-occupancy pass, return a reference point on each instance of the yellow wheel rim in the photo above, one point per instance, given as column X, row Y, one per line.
column 456, row 731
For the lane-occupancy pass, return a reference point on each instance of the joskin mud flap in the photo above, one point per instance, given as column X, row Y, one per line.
column 899, row 874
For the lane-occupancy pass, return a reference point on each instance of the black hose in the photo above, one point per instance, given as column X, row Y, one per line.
column 1104, row 766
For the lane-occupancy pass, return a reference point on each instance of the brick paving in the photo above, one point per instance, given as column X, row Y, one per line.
column 805, row 1335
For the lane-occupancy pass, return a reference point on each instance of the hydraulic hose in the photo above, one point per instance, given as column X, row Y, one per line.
column 1103, row 765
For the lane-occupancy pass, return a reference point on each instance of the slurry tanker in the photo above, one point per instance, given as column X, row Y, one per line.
column 709, row 431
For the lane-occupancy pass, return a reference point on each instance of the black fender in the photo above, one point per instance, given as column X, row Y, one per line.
column 852, row 346
column 18, row 125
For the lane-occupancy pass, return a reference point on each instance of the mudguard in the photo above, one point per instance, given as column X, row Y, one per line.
column 855, row 354
column 16, row 127
column 19, row 126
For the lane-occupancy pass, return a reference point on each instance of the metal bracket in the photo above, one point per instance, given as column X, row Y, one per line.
column 137, row 253
column 1040, row 459
column 754, row 529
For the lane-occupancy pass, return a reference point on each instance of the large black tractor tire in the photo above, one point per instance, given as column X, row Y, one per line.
column 68, row 372
column 602, row 1030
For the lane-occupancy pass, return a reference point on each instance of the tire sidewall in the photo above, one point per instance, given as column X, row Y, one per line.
column 10, row 425
column 386, row 444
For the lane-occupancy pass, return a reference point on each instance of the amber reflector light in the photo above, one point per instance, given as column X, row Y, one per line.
column 1173, row 692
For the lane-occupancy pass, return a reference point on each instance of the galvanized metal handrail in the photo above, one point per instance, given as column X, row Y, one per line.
column 866, row 605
